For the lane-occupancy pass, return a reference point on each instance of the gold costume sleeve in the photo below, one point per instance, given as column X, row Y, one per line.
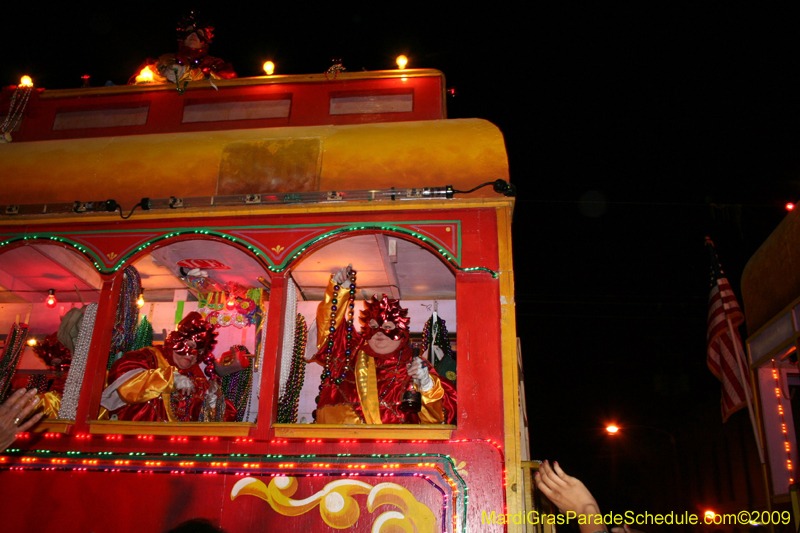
column 342, row 297
column 432, row 412
column 49, row 404
column 147, row 385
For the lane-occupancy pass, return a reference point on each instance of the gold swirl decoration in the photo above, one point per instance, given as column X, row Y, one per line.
column 339, row 509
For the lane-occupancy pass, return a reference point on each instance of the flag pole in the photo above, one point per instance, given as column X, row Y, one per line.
column 739, row 362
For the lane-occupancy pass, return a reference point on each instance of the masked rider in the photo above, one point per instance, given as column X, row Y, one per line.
column 165, row 384
column 367, row 373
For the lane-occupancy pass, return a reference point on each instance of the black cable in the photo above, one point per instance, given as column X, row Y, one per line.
column 474, row 188
column 499, row 186
column 144, row 203
column 123, row 217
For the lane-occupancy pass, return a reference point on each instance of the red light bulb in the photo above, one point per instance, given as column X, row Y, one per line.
column 230, row 305
column 51, row 301
column 789, row 206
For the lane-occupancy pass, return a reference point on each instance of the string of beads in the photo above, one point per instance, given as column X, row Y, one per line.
column 327, row 373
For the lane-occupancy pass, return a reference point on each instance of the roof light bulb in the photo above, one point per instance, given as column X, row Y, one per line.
column 146, row 75
column 51, row 301
column 26, row 81
column 402, row 61
column 269, row 68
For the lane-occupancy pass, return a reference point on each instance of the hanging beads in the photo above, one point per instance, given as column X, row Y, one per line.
column 442, row 339
column 327, row 375
column 10, row 356
column 127, row 315
column 19, row 100
column 287, row 405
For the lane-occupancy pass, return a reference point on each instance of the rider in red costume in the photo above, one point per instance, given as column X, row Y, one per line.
column 165, row 384
column 366, row 373
column 191, row 62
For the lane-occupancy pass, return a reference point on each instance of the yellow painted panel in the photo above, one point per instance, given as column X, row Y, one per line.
column 385, row 431
column 53, row 425
column 515, row 483
column 219, row 429
column 270, row 166
column 463, row 153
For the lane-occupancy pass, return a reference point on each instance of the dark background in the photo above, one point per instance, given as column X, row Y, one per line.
column 632, row 132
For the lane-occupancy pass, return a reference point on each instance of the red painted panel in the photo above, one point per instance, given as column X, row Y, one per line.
column 114, row 501
column 279, row 236
column 481, row 413
column 94, row 379
column 155, row 492
column 310, row 106
column 111, row 247
column 130, row 502
column 268, row 401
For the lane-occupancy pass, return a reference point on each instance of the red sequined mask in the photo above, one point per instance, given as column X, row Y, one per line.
column 189, row 25
column 384, row 310
column 192, row 328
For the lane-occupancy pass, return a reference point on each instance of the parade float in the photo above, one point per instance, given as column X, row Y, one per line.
column 127, row 209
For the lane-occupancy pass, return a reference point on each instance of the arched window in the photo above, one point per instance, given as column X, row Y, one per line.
column 202, row 281
column 385, row 264
column 48, row 299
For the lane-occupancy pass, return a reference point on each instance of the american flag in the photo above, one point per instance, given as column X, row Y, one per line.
column 724, row 344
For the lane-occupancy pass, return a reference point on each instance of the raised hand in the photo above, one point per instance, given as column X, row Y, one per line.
column 13, row 413
column 343, row 276
column 570, row 495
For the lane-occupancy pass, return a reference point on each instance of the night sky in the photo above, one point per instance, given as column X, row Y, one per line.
column 632, row 132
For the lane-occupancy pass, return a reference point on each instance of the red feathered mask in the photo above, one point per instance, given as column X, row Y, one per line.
column 53, row 353
column 384, row 310
column 192, row 328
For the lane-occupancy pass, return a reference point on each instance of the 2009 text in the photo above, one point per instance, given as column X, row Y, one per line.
column 640, row 519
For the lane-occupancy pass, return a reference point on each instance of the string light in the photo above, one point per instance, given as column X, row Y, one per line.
column 441, row 463
column 786, row 444
column 437, row 470
column 140, row 300
column 382, row 227
column 51, row 301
